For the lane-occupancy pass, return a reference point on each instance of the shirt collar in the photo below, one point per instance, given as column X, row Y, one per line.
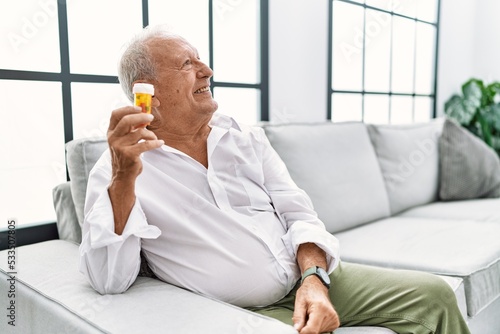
column 219, row 120
column 223, row 121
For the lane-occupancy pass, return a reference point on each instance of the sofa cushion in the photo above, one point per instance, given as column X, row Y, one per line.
column 469, row 168
column 49, row 284
column 82, row 154
column 464, row 248
column 487, row 210
column 336, row 165
column 67, row 221
column 409, row 160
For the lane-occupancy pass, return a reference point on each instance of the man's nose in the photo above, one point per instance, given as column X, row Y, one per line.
column 204, row 71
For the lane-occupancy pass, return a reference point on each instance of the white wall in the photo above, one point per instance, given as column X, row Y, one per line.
column 487, row 38
column 298, row 42
column 456, row 47
column 468, row 45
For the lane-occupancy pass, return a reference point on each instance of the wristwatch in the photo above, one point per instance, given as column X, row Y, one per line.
column 320, row 272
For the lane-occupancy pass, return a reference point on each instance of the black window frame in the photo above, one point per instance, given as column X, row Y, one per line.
column 363, row 92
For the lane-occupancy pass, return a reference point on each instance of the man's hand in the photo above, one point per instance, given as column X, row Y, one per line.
column 126, row 129
column 314, row 313
column 127, row 139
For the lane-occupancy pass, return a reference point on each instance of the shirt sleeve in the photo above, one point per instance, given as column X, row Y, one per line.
column 110, row 261
column 295, row 209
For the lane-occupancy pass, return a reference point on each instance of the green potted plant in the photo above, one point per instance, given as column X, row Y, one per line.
column 478, row 110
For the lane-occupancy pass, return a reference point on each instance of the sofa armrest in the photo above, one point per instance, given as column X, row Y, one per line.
column 67, row 220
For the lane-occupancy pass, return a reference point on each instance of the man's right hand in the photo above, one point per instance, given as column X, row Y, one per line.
column 128, row 139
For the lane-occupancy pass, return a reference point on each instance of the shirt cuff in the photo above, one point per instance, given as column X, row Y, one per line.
column 101, row 224
column 301, row 232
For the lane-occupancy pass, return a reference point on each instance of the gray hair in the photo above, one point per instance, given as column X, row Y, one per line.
column 136, row 63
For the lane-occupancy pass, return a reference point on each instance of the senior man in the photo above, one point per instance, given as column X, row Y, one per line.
column 214, row 210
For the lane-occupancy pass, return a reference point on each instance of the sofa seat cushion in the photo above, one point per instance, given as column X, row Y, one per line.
column 337, row 167
column 52, row 296
column 461, row 248
column 479, row 210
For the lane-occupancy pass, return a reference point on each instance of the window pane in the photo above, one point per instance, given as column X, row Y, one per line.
column 383, row 4
column 377, row 51
column 236, row 40
column 346, row 107
column 403, row 55
column 30, row 36
column 423, row 108
column 185, row 20
column 240, row 103
column 405, row 7
column 97, row 33
column 33, row 150
column 347, row 46
column 376, row 109
column 401, row 109
column 427, row 10
column 92, row 104
column 426, row 41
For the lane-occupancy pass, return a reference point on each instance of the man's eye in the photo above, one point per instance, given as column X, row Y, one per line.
column 187, row 62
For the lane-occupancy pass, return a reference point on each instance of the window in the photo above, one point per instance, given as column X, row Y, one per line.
column 58, row 72
column 382, row 60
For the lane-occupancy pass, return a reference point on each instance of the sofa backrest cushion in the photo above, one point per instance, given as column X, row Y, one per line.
column 337, row 167
column 67, row 220
column 409, row 160
column 81, row 156
column 469, row 168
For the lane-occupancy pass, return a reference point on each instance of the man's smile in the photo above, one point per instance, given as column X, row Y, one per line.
column 202, row 90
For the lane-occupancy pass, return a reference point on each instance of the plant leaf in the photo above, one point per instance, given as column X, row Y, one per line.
column 493, row 90
column 485, row 129
column 473, row 92
column 460, row 109
column 491, row 115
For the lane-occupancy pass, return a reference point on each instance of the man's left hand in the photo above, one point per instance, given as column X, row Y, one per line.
column 314, row 312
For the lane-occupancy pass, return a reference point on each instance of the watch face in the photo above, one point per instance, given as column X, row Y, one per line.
column 320, row 273
column 324, row 276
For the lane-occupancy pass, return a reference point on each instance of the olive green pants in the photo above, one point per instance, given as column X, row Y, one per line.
column 402, row 300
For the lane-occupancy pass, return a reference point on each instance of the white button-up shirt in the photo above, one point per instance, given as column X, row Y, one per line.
column 230, row 231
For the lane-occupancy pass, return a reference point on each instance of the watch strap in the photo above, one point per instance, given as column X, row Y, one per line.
column 314, row 271
column 309, row 271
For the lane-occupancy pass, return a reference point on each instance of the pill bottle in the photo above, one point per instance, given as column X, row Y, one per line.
column 143, row 94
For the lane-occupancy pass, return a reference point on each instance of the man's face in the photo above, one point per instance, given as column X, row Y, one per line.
column 183, row 85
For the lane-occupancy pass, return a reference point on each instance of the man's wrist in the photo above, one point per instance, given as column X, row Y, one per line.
column 319, row 272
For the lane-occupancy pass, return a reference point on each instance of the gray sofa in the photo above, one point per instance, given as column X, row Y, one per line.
column 375, row 187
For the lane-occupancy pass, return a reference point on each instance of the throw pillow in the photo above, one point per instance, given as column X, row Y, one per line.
column 408, row 156
column 469, row 168
column 82, row 154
